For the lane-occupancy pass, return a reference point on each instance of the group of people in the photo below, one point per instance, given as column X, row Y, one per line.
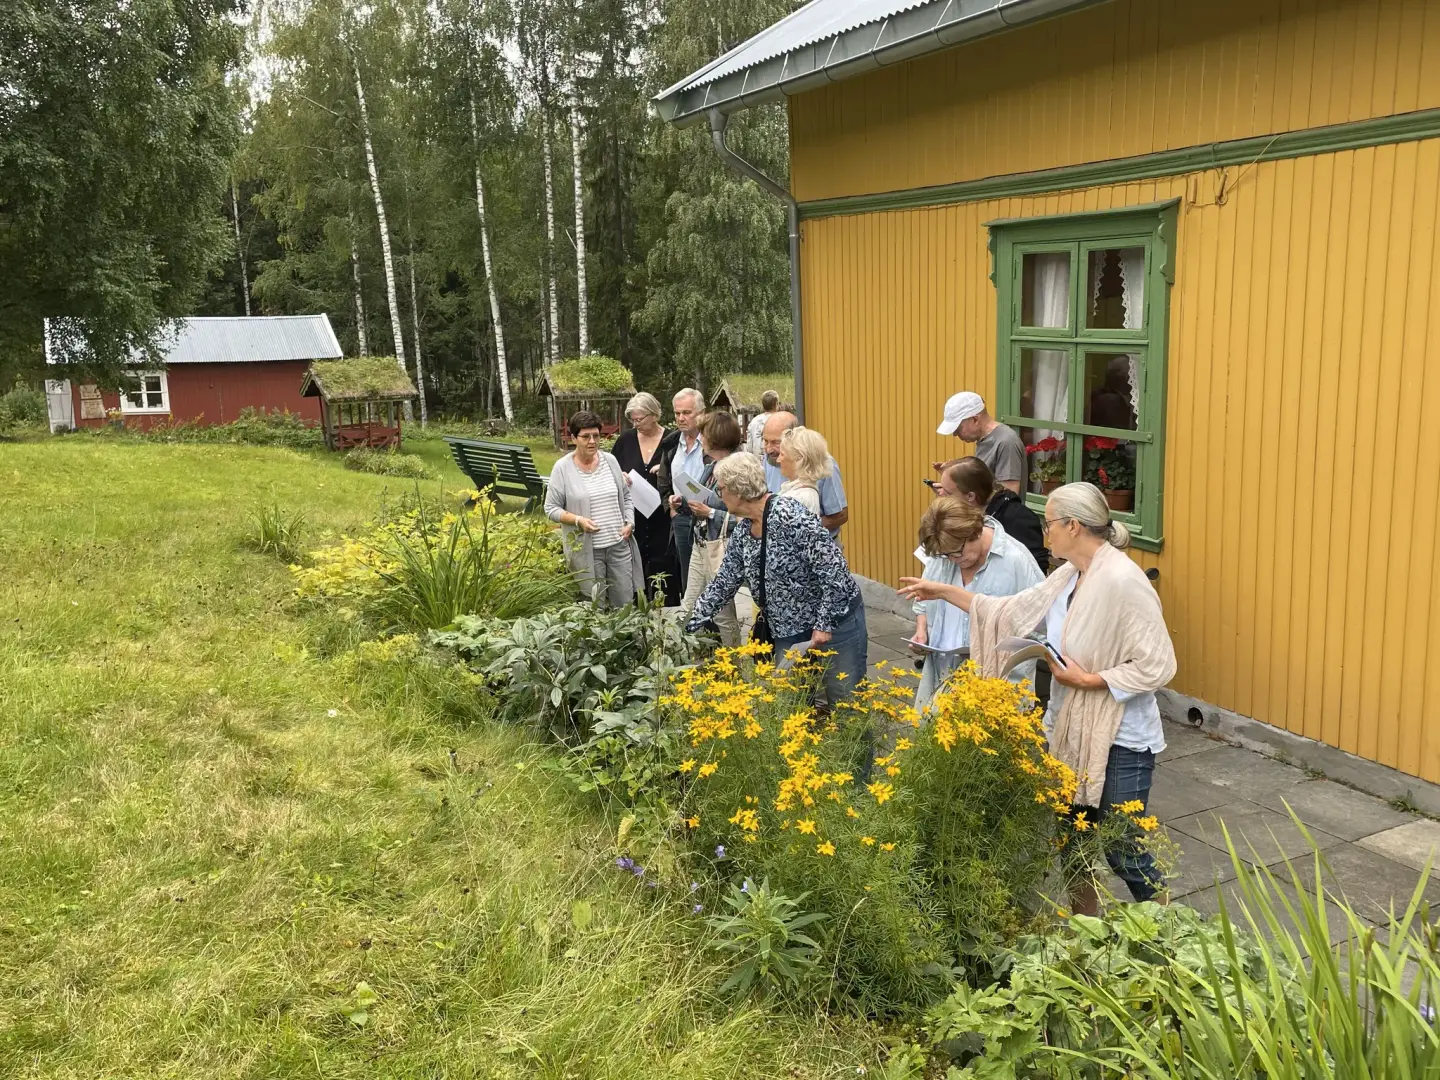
column 772, row 509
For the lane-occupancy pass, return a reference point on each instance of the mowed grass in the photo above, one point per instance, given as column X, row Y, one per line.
column 215, row 822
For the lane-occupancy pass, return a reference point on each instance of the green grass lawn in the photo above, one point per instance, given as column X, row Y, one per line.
column 436, row 453
column 215, row 822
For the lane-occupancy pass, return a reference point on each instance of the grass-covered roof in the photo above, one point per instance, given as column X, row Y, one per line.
column 360, row 378
column 744, row 391
column 587, row 375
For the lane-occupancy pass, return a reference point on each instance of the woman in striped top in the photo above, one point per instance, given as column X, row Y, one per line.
column 589, row 498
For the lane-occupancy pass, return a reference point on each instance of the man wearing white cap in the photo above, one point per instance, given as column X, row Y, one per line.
column 996, row 444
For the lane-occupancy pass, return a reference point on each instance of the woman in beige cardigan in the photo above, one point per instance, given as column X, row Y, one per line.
column 1101, row 615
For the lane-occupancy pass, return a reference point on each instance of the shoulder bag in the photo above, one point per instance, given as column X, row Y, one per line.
column 760, row 632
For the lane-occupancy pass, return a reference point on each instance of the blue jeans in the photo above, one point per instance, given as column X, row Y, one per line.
column 683, row 526
column 1127, row 777
column 851, row 645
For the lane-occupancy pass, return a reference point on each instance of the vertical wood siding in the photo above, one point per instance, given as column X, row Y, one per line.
column 216, row 393
column 1123, row 78
column 1301, row 567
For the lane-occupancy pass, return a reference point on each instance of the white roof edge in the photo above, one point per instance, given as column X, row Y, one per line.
column 781, row 66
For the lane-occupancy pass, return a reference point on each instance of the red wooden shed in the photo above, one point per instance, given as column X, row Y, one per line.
column 214, row 368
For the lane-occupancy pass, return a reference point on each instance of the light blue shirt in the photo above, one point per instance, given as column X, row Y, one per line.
column 1008, row 569
column 831, row 488
column 1140, row 726
column 690, row 461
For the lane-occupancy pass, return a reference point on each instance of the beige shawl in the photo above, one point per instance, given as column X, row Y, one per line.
column 1114, row 627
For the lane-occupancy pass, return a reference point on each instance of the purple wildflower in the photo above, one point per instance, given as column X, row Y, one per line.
column 720, row 852
column 625, row 863
column 697, row 909
column 694, row 886
column 637, row 870
column 745, row 888
column 653, row 884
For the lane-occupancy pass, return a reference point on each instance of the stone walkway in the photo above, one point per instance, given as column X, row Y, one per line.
column 1375, row 853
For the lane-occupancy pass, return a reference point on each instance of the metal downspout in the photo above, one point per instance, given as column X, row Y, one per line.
column 718, row 120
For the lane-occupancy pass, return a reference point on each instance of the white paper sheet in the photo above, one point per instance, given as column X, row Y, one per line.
column 688, row 487
column 920, row 554
column 643, row 494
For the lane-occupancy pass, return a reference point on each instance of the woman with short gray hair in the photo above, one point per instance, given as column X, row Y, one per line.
column 1100, row 615
column 642, row 449
column 796, row 573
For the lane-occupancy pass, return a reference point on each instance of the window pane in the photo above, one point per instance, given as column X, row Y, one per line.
column 1112, row 390
column 1045, row 289
column 1115, row 289
column 1044, row 459
column 154, row 399
column 1110, row 465
column 1045, row 383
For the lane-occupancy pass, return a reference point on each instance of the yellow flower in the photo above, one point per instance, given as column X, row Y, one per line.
column 687, row 765
column 693, row 822
column 903, row 744
column 881, row 790
column 882, row 760
column 1134, row 806
column 850, row 811
column 827, row 848
column 833, row 796
column 708, row 769
column 1149, row 824
column 887, row 847
column 868, row 841
column 1081, row 825
column 842, row 778
column 892, row 770
column 806, row 825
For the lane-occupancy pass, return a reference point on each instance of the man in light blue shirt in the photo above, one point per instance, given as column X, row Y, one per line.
column 689, row 458
column 834, row 508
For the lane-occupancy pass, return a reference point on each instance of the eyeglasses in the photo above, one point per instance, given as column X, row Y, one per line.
column 589, row 436
column 1052, row 521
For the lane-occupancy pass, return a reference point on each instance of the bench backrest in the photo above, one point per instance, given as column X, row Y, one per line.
column 511, row 464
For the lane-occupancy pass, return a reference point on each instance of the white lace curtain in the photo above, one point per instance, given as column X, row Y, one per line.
column 1132, row 281
column 1050, row 303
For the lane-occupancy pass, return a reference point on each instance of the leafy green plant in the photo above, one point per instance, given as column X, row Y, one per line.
column 23, row 407
column 594, row 372
column 763, row 934
column 592, row 678
column 253, row 427
column 277, row 531
column 386, row 463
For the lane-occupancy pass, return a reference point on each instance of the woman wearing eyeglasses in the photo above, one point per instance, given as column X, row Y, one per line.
column 589, row 498
column 1100, row 613
column 972, row 551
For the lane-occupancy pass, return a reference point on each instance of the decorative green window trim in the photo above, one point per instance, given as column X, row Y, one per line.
column 1151, row 227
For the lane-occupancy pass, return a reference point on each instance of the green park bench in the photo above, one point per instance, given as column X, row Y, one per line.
column 504, row 468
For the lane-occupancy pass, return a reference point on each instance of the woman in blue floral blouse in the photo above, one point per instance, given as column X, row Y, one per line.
column 809, row 595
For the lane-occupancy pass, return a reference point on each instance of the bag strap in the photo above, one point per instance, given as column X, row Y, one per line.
column 764, row 541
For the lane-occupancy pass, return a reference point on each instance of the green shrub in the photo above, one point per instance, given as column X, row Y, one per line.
column 253, row 427
column 276, row 531
column 425, row 568
column 762, row 936
column 594, row 372
column 23, row 407
column 386, row 463
column 1162, row 992
column 591, row 677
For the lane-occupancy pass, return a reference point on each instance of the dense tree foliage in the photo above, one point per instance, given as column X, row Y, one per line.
column 126, row 197
column 117, row 127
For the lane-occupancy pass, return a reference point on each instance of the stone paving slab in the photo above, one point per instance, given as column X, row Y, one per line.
column 1242, row 772
column 1414, row 845
column 1368, row 882
column 1341, row 811
column 1260, row 835
column 1175, row 796
column 1181, row 741
column 1201, row 866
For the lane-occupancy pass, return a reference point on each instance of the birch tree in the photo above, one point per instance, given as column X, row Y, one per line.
column 582, row 314
column 391, row 295
column 502, row 369
column 364, row 345
column 239, row 244
column 553, row 345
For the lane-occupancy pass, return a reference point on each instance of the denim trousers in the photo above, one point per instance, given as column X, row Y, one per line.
column 850, row 643
column 683, row 526
column 1128, row 774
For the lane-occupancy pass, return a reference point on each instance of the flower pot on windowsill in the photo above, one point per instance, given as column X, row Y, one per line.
column 1121, row 500
column 1047, row 486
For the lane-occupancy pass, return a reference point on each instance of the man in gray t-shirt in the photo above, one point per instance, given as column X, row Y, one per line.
column 996, row 444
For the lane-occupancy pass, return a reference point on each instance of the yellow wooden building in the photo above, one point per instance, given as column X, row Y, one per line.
column 1204, row 229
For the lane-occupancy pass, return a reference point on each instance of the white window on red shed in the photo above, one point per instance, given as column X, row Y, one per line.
column 146, row 392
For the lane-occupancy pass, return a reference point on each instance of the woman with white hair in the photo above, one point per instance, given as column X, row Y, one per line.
column 803, row 460
column 796, row 573
column 642, row 448
column 1100, row 615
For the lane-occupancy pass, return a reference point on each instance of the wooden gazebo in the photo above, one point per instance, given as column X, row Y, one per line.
column 597, row 383
column 361, row 400
column 740, row 394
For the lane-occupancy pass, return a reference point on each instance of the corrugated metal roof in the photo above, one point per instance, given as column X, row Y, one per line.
column 829, row 40
column 240, row 339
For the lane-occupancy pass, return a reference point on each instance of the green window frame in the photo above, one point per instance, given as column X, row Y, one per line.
column 1079, row 359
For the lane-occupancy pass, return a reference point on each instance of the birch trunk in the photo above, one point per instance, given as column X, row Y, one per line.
column 391, row 295
column 553, row 344
column 583, row 314
column 503, row 368
column 359, row 296
column 239, row 249
column 415, row 333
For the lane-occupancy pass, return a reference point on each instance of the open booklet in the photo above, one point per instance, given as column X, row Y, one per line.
column 931, row 650
column 1019, row 650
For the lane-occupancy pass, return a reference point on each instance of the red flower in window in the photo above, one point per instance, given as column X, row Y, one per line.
column 1046, row 446
column 1100, row 442
column 1104, row 478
